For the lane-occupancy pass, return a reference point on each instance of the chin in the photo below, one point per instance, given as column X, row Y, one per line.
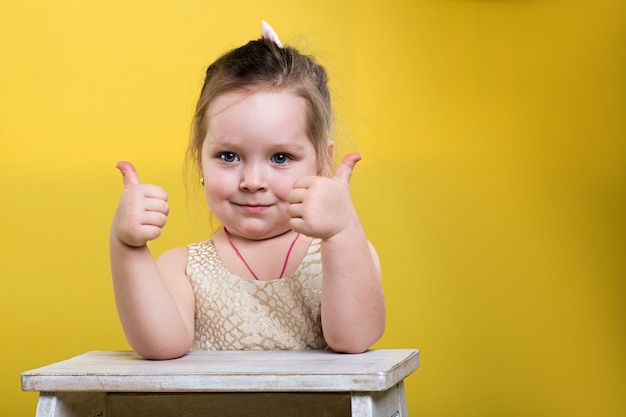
column 258, row 232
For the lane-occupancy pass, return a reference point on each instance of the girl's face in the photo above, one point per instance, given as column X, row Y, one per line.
column 255, row 149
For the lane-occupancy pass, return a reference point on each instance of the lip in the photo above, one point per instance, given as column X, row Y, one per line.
column 253, row 208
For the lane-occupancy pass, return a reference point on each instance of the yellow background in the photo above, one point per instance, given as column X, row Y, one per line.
column 493, row 182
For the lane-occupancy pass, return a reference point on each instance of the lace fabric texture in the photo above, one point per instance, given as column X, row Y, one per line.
column 233, row 313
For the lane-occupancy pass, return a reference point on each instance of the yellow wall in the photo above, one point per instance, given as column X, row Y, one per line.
column 493, row 182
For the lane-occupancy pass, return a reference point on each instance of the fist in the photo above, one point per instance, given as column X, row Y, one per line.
column 321, row 207
column 142, row 211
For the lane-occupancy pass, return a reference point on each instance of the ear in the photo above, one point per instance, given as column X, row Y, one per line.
column 331, row 150
column 200, row 172
column 330, row 156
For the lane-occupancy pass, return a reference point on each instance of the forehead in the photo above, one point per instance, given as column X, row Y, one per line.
column 258, row 100
column 261, row 116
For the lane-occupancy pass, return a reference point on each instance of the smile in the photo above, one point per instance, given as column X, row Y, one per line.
column 252, row 208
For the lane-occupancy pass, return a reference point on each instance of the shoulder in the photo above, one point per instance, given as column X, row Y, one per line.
column 173, row 259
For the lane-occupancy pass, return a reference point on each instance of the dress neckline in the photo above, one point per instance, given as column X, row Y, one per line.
column 220, row 264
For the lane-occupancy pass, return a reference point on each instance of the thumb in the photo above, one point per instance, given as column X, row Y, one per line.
column 129, row 173
column 344, row 170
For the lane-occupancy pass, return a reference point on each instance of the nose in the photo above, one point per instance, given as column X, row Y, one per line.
column 253, row 178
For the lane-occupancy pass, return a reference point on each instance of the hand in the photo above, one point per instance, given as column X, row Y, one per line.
column 321, row 207
column 142, row 210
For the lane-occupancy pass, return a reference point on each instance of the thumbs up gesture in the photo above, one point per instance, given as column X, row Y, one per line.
column 321, row 207
column 142, row 210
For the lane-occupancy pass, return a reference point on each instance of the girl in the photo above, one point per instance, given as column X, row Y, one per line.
column 291, row 267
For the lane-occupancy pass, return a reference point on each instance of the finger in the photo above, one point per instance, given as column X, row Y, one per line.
column 296, row 195
column 129, row 173
column 154, row 218
column 344, row 171
column 298, row 225
column 304, row 182
column 157, row 205
column 151, row 232
column 154, row 191
column 295, row 211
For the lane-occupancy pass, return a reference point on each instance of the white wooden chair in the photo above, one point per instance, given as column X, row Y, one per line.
column 225, row 383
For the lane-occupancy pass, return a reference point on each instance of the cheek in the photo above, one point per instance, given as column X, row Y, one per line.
column 283, row 185
column 218, row 188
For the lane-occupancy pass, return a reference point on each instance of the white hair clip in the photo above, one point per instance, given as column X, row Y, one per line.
column 270, row 34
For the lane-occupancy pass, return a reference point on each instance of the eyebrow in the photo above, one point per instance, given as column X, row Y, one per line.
column 227, row 143
column 216, row 142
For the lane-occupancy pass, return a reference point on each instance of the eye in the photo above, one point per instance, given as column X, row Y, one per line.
column 281, row 158
column 229, row 157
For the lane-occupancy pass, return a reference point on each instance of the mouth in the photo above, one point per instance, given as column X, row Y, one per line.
column 253, row 208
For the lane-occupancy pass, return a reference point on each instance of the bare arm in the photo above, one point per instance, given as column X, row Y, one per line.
column 154, row 299
column 353, row 305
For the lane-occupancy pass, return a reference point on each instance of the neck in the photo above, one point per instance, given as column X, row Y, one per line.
column 245, row 262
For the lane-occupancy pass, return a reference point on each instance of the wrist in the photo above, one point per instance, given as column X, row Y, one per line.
column 352, row 229
column 118, row 241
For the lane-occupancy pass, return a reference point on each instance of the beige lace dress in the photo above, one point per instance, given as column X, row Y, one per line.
column 233, row 313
